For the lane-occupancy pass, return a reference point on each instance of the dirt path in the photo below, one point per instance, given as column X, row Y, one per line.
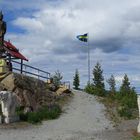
column 83, row 119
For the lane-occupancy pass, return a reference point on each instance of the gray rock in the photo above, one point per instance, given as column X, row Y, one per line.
column 29, row 92
column 9, row 103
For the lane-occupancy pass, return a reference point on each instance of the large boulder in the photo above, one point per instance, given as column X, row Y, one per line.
column 30, row 92
column 8, row 82
column 9, row 103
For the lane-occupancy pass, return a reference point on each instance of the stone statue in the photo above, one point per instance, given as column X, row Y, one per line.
column 2, row 33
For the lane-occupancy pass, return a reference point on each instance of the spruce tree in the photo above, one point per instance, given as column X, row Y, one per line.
column 98, row 80
column 125, row 87
column 76, row 80
column 112, row 84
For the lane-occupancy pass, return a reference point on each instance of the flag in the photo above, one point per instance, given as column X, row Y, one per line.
column 83, row 37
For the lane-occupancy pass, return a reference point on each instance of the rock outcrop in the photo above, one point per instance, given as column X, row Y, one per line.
column 9, row 103
column 30, row 92
column 17, row 90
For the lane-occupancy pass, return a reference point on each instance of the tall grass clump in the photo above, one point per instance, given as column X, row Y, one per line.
column 45, row 113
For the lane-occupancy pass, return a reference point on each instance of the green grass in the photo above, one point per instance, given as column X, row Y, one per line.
column 50, row 112
column 126, row 106
column 34, row 117
column 45, row 113
column 136, row 138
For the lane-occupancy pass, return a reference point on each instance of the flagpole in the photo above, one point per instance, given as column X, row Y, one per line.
column 88, row 60
column 85, row 38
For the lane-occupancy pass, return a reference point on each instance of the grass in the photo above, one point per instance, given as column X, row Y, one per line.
column 118, row 106
column 125, row 107
column 50, row 112
column 136, row 138
column 45, row 113
column 34, row 117
column 111, row 109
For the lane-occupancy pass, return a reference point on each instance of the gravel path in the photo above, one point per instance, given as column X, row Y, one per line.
column 83, row 119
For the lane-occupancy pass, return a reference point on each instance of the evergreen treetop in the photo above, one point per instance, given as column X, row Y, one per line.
column 125, row 87
column 98, row 79
column 112, row 84
column 76, row 80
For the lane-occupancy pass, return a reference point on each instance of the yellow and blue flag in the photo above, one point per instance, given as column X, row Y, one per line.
column 83, row 37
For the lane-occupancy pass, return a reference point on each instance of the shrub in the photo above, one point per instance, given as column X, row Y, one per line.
column 136, row 138
column 125, row 112
column 34, row 117
column 127, row 104
column 57, row 78
column 129, row 101
column 46, row 112
column 89, row 88
column 43, row 112
column 21, row 114
column 99, row 91
column 50, row 112
column 54, row 112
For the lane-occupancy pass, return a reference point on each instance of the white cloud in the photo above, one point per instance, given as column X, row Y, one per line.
column 50, row 35
column 29, row 24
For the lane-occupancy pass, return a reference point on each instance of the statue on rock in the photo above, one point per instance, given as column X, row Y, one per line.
column 2, row 33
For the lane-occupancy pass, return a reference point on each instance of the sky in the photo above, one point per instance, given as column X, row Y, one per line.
column 45, row 32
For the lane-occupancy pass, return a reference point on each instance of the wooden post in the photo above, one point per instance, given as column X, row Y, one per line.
column 21, row 70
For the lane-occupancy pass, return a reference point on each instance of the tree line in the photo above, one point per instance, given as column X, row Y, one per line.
column 97, row 86
column 125, row 98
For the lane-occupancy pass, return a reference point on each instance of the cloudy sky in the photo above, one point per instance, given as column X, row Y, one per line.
column 45, row 32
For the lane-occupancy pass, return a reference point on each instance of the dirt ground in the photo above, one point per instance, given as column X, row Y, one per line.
column 83, row 119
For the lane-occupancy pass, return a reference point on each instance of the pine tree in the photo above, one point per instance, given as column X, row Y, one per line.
column 127, row 99
column 98, row 80
column 125, row 87
column 76, row 80
column 112, row 84
column 57, row 78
